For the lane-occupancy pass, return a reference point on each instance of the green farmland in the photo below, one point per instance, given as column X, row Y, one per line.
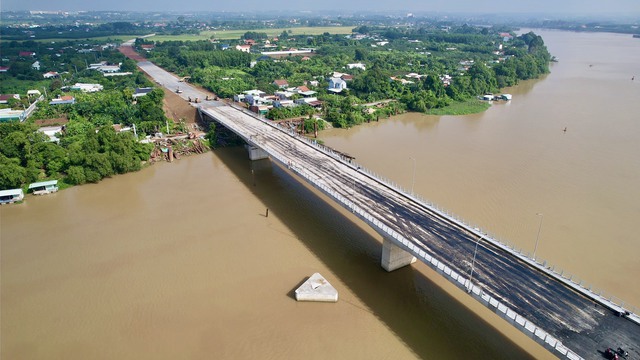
column 223, row 34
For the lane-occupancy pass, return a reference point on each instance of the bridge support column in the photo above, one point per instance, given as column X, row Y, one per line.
column 255, row 153
column 393, row 257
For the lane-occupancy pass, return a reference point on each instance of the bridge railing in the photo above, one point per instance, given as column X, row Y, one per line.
column 608, row 300
column 460, row 280
column 572, row 281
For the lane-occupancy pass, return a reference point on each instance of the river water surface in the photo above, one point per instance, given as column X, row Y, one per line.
column 180, row 261
column 501, row 168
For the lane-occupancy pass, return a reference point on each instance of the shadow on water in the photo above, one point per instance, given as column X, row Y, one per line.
column 419, row 312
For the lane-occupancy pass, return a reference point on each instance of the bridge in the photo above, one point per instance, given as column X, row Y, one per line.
column 569, row 320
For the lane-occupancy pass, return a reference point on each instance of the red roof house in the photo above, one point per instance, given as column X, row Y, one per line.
column 281, row 83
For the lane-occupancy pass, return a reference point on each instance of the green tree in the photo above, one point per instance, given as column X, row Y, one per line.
column 11, row 176
column 76, row 176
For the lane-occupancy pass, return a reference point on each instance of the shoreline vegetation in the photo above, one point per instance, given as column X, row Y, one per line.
column 345, row 79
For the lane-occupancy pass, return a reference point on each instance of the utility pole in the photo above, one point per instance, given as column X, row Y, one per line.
column 538, row 236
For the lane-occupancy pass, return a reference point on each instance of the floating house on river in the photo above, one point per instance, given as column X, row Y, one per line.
column 11, row 196
column 44, row 187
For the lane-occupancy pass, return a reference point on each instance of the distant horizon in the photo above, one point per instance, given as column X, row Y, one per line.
column 550, row 8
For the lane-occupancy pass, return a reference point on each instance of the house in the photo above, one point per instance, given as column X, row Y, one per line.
column 360, row 66
column 4, row 69
column 44, row 187
column 304, row 101
column 50, row 75
column 336, row 85
column 281, row 83
column 249, row 42
column 304, row 91
column 506, row 36
column 224, row 46
column 147, row 47
column 311, row 101
column 255, row 92
column 119, row 128
column 283, row 95
column 26, row 54
column 35, row 93
column 260, row 109
column 51, row 132
column 141, row 92
column 283, row 103
column 36, row 66
column 346, row 77
column 109, row 68
column 4, row 98
column 446, row 79
column 11, row 115
column 244, row 48
column 96, row 66
column 11, row 196
column 87, row 87
column 68, row 99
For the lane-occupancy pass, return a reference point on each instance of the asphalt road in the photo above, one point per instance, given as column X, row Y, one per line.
column 582, row 325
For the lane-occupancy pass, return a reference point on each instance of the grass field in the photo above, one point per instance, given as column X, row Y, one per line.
column 237, row 34
column 98, row 38
column 224, row 35
column 471, row 106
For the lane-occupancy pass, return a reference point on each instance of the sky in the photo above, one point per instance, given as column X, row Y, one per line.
column 569, row 7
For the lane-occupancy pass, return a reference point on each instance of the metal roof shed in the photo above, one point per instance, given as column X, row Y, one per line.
column 44, row 187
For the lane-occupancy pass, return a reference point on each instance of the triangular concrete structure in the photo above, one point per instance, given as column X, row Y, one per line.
column 316, row 288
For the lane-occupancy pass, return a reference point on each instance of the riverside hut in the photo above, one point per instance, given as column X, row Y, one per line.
column 44, row 187
column 11, row 196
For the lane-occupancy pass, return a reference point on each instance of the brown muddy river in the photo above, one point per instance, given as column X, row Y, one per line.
column 179, row 261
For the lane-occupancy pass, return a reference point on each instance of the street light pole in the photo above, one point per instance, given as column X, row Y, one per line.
column 413, row 178
column 538, row 236
column 473, row 262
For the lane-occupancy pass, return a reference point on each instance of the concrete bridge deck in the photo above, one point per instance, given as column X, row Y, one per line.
column 566, row 318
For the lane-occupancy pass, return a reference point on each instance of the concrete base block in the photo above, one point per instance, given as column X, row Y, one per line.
column 255, row 153
column 316, row 288
column 393, row 257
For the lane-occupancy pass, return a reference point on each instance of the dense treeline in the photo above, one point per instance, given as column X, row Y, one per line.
column 89, row 148
column 182, row 56
column 83, row 155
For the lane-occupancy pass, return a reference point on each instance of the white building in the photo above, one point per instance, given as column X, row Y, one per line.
column 87, row 87
column 357, row 66
column 336, row 85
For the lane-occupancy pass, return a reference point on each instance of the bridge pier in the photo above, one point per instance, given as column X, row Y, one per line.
column 255, row 153
column 393, row 257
